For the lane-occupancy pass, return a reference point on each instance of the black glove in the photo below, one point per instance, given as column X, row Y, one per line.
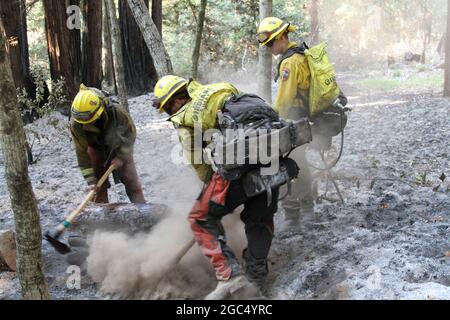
column 292, row 167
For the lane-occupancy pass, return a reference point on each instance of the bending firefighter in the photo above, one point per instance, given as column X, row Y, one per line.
column 294, row 76
column 103, row 134
column 193, row 107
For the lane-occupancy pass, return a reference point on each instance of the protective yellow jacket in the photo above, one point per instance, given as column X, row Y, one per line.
column 200, row 112
column 114, row 134
column 293, row 90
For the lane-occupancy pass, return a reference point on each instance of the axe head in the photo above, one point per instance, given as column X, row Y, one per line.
column 52, row 237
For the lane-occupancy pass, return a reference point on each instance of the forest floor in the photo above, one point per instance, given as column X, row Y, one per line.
column 390, row 240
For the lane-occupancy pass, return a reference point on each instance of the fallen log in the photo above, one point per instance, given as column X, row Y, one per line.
column 126, row 217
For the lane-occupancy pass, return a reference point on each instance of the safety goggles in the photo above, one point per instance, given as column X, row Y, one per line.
column 263, row 36
column 87, row 115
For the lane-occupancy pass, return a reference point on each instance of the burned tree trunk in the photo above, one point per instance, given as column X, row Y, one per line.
column 108, row 63
column 152, row 37
column 157, row 14
column 140, row 74
column 198, row 38
column 64, row 45
column 13, row 16
column 117, row 53
column 92, row 43
column 265, row 58
column 447, row 57
column 23, row 201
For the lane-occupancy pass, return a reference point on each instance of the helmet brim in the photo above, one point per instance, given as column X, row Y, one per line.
column 171, row 93
column 276, row 33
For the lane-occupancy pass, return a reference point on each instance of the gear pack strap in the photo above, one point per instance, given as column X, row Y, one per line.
column 289, row 53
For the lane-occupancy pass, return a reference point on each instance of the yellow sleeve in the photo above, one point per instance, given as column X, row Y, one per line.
column 194, row 153
column 294, row 76
column 287, row 89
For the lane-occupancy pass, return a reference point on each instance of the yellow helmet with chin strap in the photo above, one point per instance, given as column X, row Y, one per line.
column 272, row 28
column 166, row 87
column 88, row 105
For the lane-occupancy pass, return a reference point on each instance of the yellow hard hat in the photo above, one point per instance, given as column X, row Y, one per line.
column 88, row 105
column 271, row 28
column 166, row 87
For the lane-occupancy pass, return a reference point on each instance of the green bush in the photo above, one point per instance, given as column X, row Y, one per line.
column 39, row 105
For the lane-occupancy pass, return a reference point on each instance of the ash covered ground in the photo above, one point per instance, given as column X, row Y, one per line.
column 390, row 240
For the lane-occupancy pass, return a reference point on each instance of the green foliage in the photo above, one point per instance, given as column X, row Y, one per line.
column 422, row 179
column 36, row 34
column 407, row 80
column 229, row 35
column 56, row 98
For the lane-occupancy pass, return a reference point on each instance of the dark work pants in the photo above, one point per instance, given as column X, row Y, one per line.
column 127, row 174
column 219, row 198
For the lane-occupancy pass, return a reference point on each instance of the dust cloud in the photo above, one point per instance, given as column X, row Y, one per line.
column 140, row 266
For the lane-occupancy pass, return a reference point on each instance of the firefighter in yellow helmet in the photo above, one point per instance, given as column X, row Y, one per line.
column 291, row 103
column 193, row 106
column 103, row 133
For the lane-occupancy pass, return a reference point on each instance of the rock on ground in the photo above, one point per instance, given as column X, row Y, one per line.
column 8, row 250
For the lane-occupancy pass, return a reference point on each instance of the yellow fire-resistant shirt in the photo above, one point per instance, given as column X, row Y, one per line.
column 293, row 90
column 201, row 111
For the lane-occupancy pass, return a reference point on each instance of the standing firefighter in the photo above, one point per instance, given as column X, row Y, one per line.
column 307, row 89
column 103, row 134
column 194, row 109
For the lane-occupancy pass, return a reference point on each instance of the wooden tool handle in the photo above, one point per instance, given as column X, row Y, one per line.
column 90, row 196
column 182, row 252
column 174, row 263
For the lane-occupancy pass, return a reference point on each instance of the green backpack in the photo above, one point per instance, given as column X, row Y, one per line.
column 324, row 89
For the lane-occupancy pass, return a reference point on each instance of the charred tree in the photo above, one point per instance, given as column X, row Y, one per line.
column 13, row 16
column 92, row 43
column 64, row 45
column 152, row 37
column 265, row 57
column 140, row 74
column 117, row 53
column 23, row 201
column 157, row 14
column 108, row 63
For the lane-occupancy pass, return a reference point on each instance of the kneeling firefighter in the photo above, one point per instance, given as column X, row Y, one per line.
column 194, row 107
column 103, row 134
